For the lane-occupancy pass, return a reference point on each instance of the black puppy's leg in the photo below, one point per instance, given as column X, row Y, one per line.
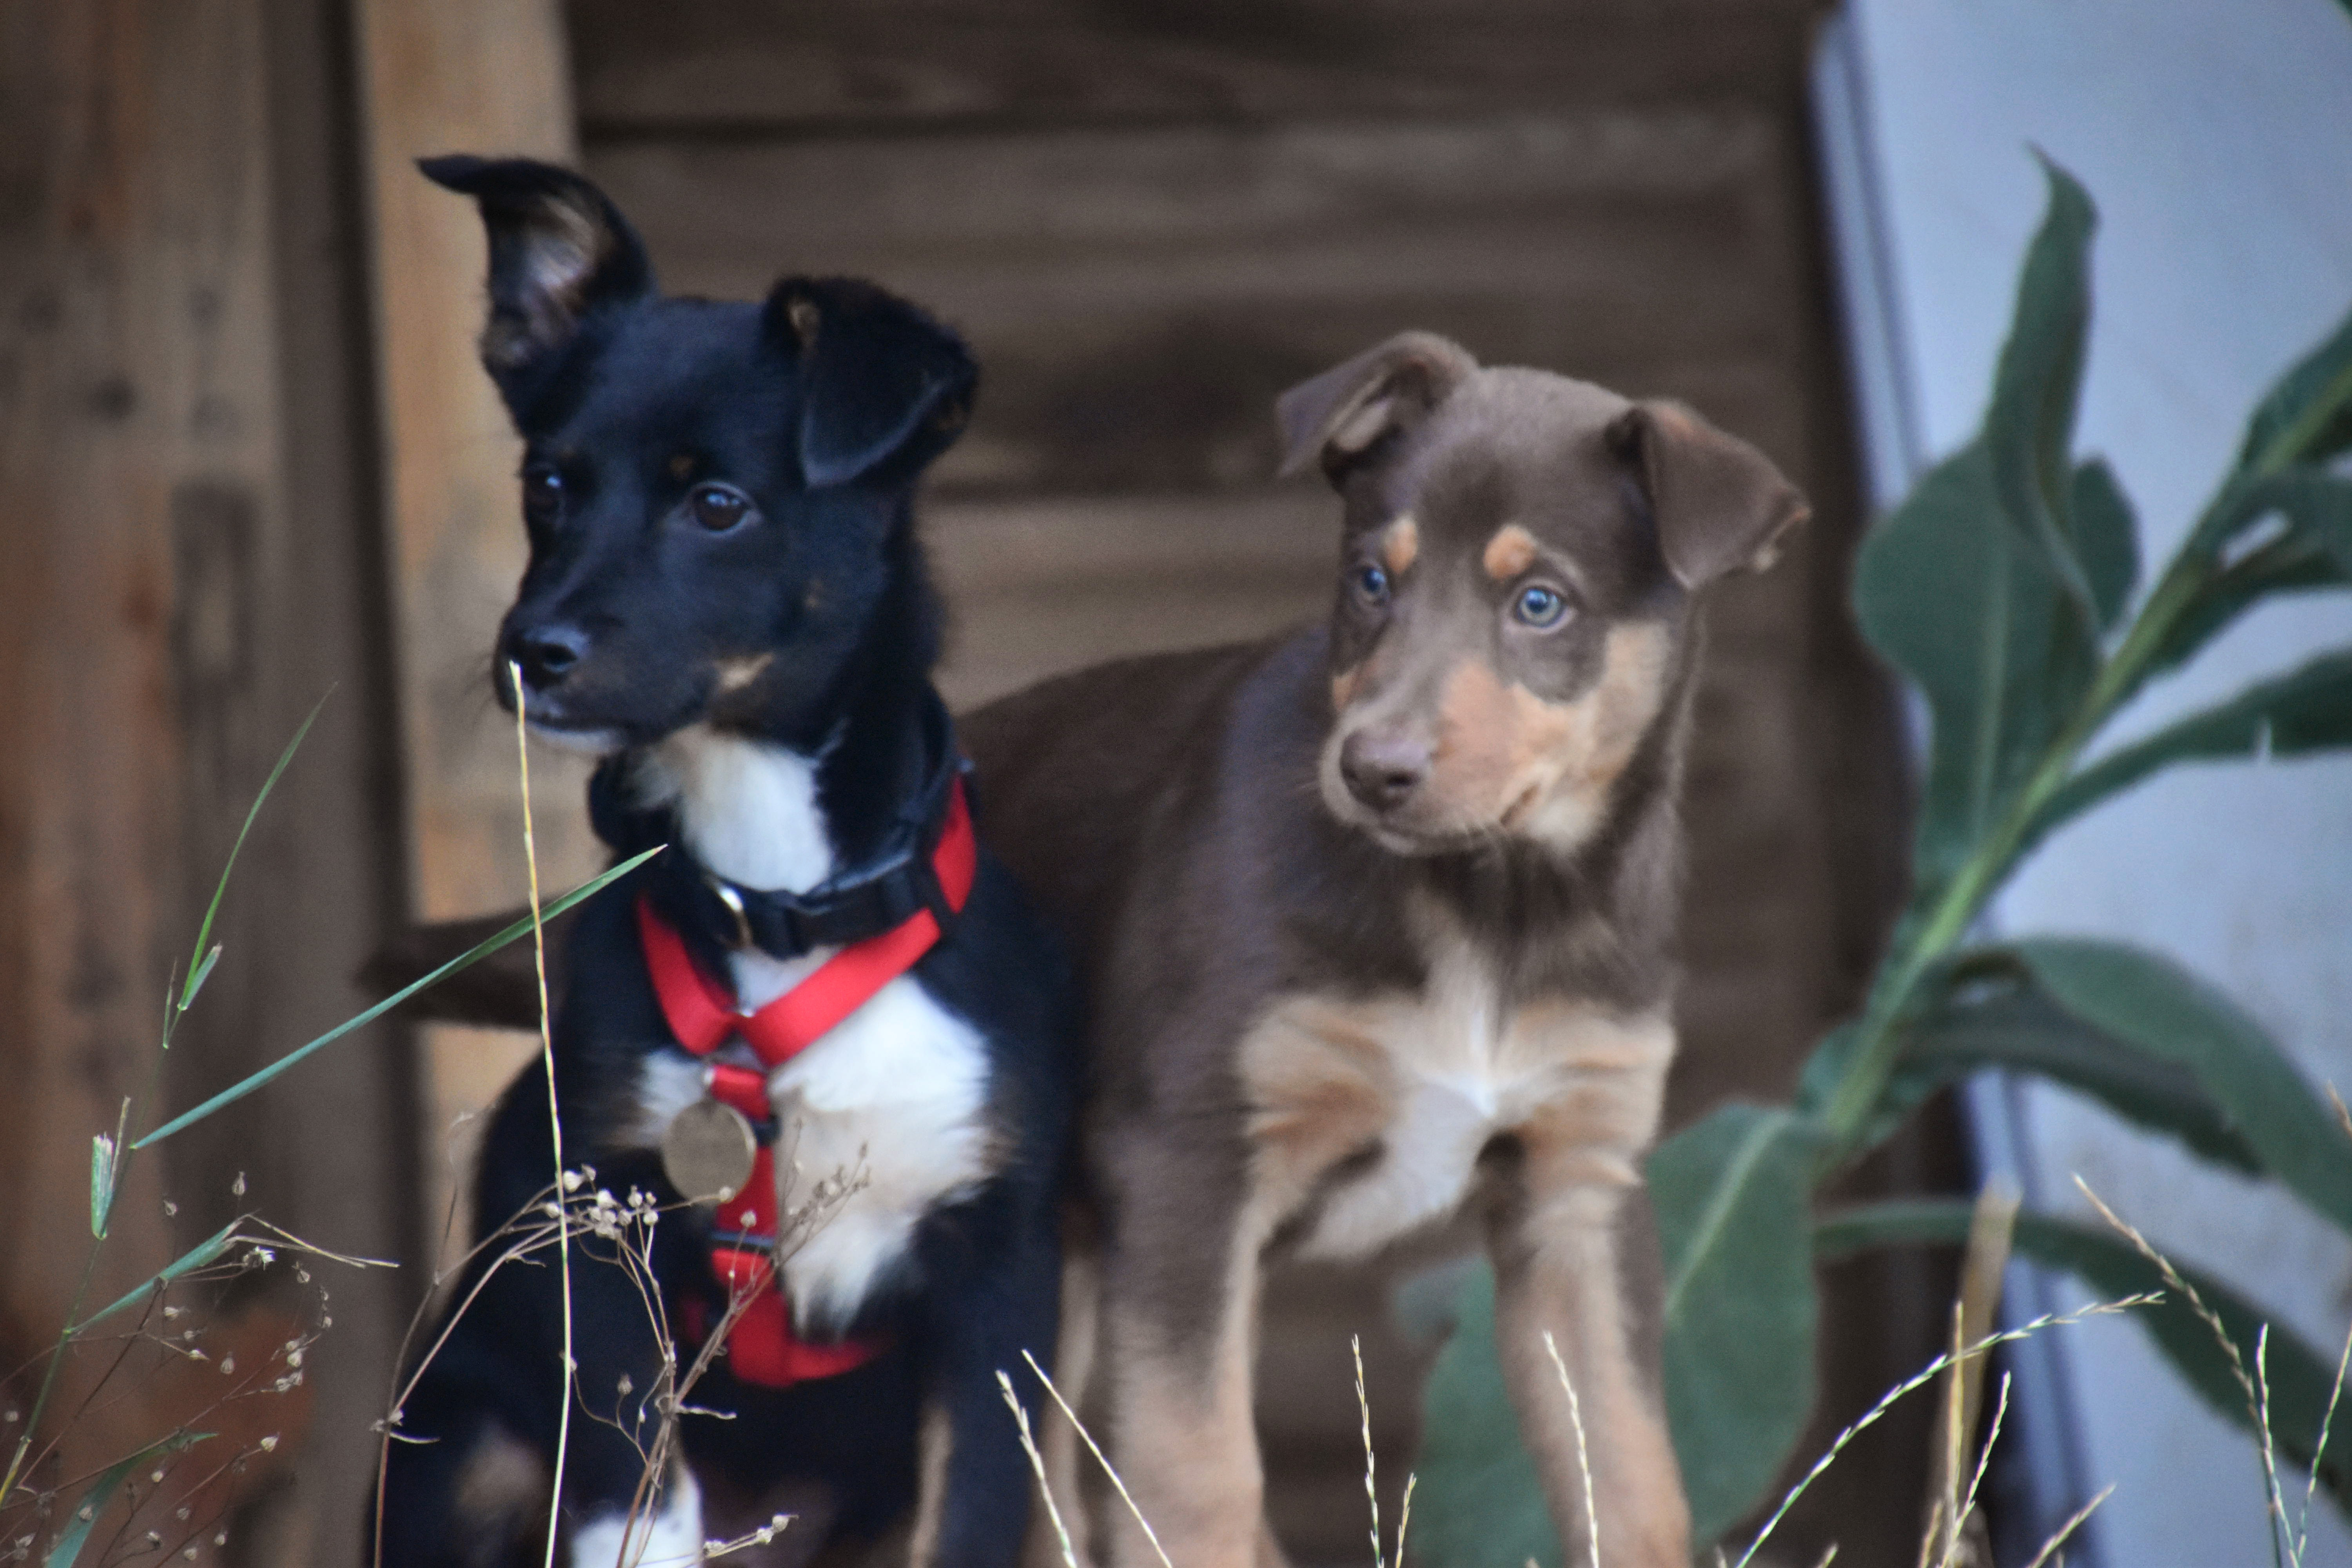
column 488, row 1404
column 606, row 1473
column 973, row 1507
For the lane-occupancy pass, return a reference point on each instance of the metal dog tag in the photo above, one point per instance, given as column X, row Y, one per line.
column 708, row 1151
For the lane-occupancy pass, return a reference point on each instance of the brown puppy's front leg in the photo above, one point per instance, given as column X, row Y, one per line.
column 1180, row 1309
column 1560, row 1240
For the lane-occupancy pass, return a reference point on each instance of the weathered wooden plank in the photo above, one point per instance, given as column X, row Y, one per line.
column 1035, row 588
column 1138, row 297
column 440, row 76
column 736, row 66
column 182, row 469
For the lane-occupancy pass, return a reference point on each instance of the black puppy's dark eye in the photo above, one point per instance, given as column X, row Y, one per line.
column 1371, row 585
column 1540, row 607
column 543, row 493
column 716, row 508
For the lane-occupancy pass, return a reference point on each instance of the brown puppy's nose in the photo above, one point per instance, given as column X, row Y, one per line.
column 1382, row 771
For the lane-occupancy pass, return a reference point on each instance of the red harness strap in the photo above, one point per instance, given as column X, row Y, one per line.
column 701, row 1014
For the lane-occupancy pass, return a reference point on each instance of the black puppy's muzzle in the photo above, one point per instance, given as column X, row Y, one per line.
column 544, row 655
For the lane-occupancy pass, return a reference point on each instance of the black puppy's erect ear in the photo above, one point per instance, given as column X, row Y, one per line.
column 559, row 249
column 881, row 381
column 1340, row 415
column 1720, row 504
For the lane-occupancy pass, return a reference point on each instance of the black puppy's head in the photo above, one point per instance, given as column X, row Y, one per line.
column 716, row 493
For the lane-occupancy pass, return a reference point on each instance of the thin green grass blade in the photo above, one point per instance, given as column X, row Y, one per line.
column 198, row 965
column 204, row 1253
column 520, row 928
column 102, row 1493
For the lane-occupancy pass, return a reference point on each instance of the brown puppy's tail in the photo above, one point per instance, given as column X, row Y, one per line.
column 500, row 991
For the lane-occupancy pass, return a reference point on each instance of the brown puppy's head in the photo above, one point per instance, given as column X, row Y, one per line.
column 1515, row 584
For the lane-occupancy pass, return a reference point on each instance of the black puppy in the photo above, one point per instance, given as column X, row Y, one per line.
column 726, row 598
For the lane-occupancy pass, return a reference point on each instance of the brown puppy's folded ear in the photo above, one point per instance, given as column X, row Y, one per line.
column 559, row 250
column 1340, row 415
column 500, row 991
column 1720, row 504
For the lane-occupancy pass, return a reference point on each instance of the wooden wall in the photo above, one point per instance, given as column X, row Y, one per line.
column 1151, row 217
column 186, row 476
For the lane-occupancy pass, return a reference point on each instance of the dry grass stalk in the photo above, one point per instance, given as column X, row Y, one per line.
column 2073, row 1523
column 1583, row 1456
column 1037, row 1464
column 1991, row 1229
column 1096, row 1449
column 1921, row 1379
column 1364, row 1414
column 2326, row 1425
column 554, row 1121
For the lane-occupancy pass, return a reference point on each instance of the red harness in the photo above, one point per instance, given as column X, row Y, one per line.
column 702, row 1017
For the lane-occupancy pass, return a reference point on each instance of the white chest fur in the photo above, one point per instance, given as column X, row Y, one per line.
column 1417, row 1084
column 891, row 1102
column 889, row 1105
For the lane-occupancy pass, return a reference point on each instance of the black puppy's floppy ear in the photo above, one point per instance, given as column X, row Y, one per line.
column 1340, row 415
column 1720, row 504
column 559, row 250
column 883, row 386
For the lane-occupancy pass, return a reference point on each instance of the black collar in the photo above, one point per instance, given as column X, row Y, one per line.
column 863, row 902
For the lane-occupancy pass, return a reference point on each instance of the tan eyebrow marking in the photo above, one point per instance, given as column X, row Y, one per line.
column 1400, row 544
column 1511, row 551
column 681, row 466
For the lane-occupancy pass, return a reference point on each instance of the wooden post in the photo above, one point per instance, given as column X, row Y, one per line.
column 191, row 566
column 442, row 76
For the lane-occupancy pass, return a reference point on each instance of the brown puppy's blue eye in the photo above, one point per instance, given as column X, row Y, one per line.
column 1540, row 607
column 716, row 508
column 543, row 493
column 1371, row 585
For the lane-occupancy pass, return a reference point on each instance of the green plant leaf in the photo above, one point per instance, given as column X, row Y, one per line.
column 1985, row 586
column 480, row 950
column 204, row 1253
column 101, row 1181
column 2037, row 387
column 1479, row 1504
column 101, row 1495
column 2005, row 1022
column 2309, row 709
column 200, row 965
column 2307, row 417
column 1733, row 1202
column 2147, row 1002
column 2108, row 537
column 1948, row 595
column 2300, row 1378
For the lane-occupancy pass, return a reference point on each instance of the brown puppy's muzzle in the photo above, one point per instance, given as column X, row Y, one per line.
column 1384, row 768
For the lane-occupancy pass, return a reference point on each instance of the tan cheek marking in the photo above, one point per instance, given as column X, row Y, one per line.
column 1506, row 757
column 1400, row 545
column 1569, row 790
column 735, row 674
column 1344, row 686
column 1511, row 551
column 1487, row 735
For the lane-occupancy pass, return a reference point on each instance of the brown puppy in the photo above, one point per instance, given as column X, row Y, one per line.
column 1377, row 918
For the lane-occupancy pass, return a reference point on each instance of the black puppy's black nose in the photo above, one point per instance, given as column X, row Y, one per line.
column 1382, row 771
column 546, row 653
